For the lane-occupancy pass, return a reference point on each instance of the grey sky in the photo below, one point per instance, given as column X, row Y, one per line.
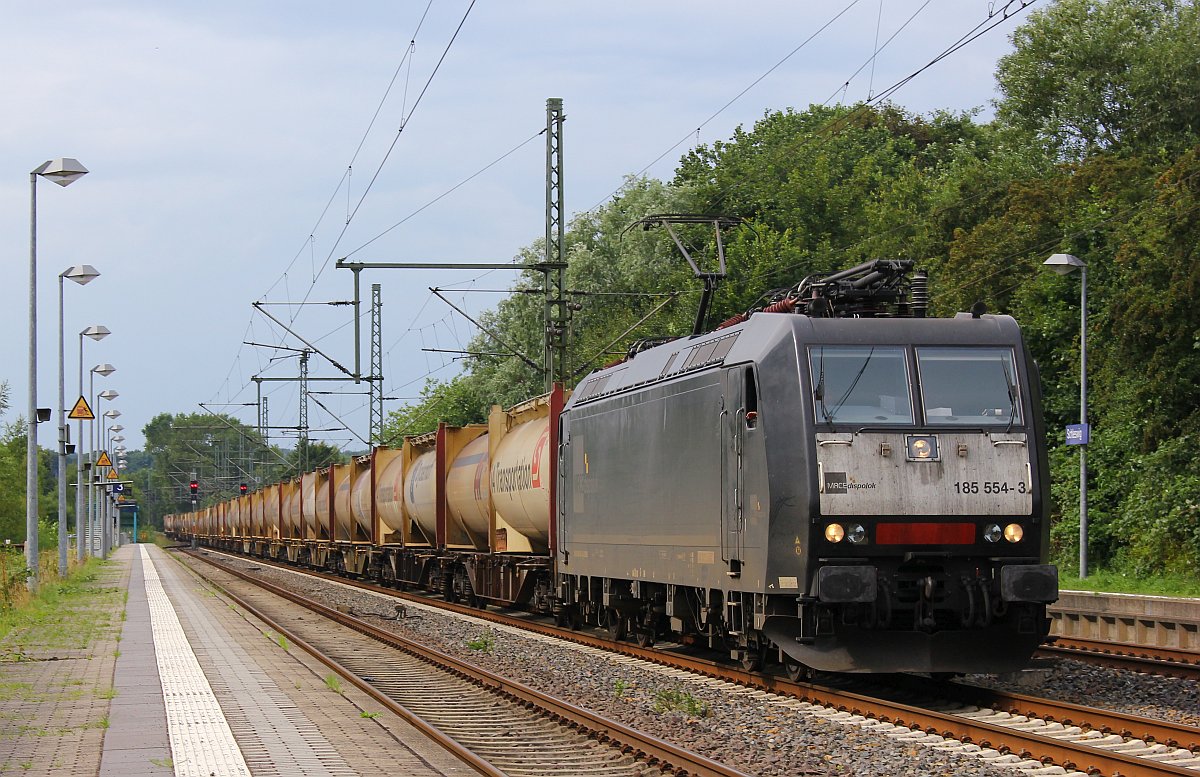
column 216, row 133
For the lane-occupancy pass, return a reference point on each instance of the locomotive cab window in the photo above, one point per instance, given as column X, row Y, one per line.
column 971, row 386
column 860, row 384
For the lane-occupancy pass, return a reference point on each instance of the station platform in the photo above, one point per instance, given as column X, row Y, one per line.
column 200, row 689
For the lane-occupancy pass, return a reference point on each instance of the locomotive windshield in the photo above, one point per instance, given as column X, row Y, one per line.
column 968, row 386
column 860, row 384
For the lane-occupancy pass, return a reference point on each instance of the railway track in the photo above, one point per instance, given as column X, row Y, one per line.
column 1035, row 730
column 495, row 725
column 1168, row 662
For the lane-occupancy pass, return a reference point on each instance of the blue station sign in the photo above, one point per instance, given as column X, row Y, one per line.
column 1079, row 434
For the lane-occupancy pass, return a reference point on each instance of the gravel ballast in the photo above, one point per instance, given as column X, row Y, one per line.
column 758, row 732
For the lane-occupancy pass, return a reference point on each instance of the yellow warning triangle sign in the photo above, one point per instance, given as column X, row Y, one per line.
column 112, row 474
column 81, row 411
column 104, row 460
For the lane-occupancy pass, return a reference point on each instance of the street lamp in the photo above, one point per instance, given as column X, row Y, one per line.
column 62, row 171
column 95, row 332
column 109, row 499
column 1064, row 264
column 108, row 394
column 82, row 274
column 103, row 370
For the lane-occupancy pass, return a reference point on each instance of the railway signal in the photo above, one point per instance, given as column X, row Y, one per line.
column 194, row 486
column 243, row 488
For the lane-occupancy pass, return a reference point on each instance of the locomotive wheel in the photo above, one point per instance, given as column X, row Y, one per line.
column 754, row 656
column 795, row 670
column 644, row 637
column 615, row 623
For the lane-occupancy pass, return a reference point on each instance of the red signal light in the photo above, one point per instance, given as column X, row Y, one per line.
column 243, row 488
column 194, row 486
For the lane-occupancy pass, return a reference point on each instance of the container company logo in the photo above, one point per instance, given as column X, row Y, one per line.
column 842, row 483
column 518, row 477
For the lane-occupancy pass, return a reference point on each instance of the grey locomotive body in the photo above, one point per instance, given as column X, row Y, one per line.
column 862, row 494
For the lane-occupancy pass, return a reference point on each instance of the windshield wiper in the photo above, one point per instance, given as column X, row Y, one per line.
column 1011, row 386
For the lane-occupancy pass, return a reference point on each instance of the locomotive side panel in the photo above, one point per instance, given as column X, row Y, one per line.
column 644, row 477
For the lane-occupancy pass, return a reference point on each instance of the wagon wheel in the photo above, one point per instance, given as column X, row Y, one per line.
column 644, row 636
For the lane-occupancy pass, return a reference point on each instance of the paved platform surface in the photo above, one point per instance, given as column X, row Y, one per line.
column 183, row 682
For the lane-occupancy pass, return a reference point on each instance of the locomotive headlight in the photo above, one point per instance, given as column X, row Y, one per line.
column 992, row 532
column 834, row 532
column 1013, row 532
column 856, row 533
column 922, row 447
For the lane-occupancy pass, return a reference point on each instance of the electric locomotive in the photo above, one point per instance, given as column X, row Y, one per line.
column 843, row 483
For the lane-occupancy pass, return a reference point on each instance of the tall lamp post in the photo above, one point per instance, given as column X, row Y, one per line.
column 95, row 332
column 81, row 274
column 103, row 370
column 63, row 171
column 118, row 453
column 1064, row 264
column 105, row 545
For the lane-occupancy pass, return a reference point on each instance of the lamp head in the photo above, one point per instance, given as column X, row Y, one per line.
column 112, row 413
column 96, row 332
column 116, row 428
column 1064, row 263
column 108, row 394
column 105, row 369
column 82, row 274
column 63, row 171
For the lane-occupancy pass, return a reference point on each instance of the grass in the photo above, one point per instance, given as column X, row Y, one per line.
column 679, row 700
column 333, row 683
column 619, row 687
column 485, row 642
column 64, row 615
column 1106, row 581
column 368, row 715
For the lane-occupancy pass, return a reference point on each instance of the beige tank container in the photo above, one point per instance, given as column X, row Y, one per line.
column 271, row 512
column 321, row 503
column 468, row 491
column 520, row 485
column 389, row 494
column 256, row 514
column 360, row 499
column 341, row 477
column 291, row 510
column 420, row 493
column 308, row 504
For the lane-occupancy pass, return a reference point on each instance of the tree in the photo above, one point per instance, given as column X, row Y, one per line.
column 1090, row 75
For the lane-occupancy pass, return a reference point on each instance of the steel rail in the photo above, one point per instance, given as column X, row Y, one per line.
column 448, row 743
column 655, row 752
column 1169, row 662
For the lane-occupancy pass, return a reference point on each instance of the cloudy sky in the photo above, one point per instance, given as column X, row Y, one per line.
column 238, row 149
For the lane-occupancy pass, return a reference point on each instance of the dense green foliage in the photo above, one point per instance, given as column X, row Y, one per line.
column 1093, row 152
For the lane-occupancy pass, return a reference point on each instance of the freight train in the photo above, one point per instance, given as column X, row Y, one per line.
column 834, row 481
